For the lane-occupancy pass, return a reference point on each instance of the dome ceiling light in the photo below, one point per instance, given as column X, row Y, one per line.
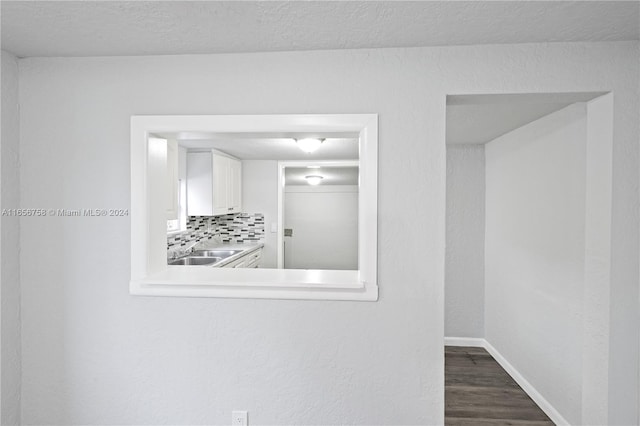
column 313, row 179
column 309, row 145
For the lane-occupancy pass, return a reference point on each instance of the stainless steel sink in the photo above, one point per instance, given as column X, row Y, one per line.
column 204, row 257
column 196, row 260
column 223, row 254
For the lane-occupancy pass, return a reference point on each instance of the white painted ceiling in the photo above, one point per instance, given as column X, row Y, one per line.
column 97, row 28
column 478, row 119
column 330, row 175
column 281, row 147
column 265, row 146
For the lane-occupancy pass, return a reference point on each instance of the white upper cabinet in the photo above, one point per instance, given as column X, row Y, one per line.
column 234, row 196
column 199, row 184
column 214, row 185
column 220, row 184
column 166, row 153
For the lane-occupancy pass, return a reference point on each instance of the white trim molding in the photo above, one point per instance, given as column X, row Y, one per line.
column 527, row 387
column 474, row 342
column 150, row 274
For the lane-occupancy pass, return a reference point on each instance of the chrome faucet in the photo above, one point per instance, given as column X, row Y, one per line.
column 189, row 247
column 180, row 252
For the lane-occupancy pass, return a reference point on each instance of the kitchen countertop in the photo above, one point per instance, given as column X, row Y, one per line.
column 246, row 248
column 211, row 245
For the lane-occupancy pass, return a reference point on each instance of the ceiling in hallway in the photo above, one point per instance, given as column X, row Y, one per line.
column 478, row 119
column 330, row 175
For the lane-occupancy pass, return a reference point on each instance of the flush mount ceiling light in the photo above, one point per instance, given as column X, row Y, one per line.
column 309, row 145
column 313, row 179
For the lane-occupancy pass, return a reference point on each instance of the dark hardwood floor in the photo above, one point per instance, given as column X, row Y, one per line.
column 479, row 392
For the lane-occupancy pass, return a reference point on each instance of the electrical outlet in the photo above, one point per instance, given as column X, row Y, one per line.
column 239, row 418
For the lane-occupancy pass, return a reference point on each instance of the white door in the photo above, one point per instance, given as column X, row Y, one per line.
column 323, row 223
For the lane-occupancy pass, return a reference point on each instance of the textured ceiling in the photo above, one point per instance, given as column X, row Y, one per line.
column 96, row 28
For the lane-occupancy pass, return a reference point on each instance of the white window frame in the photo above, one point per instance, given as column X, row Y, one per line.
column 150, row 274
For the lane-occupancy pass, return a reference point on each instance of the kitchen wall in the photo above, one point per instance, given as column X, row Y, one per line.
column 9, row 253
column 94, row 354
column 237, row 228
column 464, row 260
column 260, row 194
column 535, row 253
column 248, row 226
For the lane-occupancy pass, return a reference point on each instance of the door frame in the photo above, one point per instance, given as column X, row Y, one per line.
column 282, row 165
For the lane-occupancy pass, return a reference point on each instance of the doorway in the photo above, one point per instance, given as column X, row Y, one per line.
column 319, row 211
column 527, row 177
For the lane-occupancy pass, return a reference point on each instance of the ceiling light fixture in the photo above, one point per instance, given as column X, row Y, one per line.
column 313, row 179
column 309, row 145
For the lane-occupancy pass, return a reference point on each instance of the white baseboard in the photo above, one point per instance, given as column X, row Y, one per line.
column 544, row 405
column 476, row 342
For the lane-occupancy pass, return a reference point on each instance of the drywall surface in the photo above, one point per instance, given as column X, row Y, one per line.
column 464, row 261
column 324, row 224
column 260, row 195
column 535, row 224
column 9, row 250
column 94, row 354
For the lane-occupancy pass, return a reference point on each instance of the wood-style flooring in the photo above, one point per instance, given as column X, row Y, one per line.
column 479, row 392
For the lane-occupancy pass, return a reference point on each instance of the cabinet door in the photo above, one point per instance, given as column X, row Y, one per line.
column 220, row 184
column 172, row 179
column 214, row 184
column 238, row 263
column 235, row 186
column 199, row 184
column 254, row 259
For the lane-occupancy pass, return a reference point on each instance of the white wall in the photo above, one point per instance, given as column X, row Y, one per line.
column 94, row 354
column 182, row 163
column 464, row 261
column 9, row 252
column 260, row 195
column 535, row 253
column 324, row 220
